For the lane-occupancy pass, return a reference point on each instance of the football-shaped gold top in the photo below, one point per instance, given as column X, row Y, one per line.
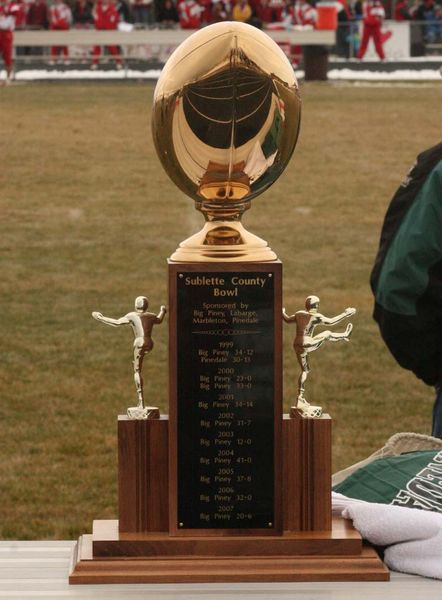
column 226, row 119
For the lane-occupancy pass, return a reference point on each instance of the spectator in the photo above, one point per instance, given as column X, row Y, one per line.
column 407, row 274
column 143, row 12
column 219, row 12
column 401, row 11
column 206, row 11
column 20, row 17
column 264, row 11
column 373, row 14
column 301, row 13
column 343, row 32
column 20, row 23
column 190, row 14
column 413, row 6
column 83, row 17
column 242, row 11
column 438, row 17
column 426, row 11
column 167, row 14
column 278, row 9
column 123, row 10
column 106, row 18
column 357, row 10
column 8, row 11
column 38, row 16
column 60, row 19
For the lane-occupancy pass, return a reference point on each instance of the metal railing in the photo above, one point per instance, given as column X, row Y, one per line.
column 154, row 45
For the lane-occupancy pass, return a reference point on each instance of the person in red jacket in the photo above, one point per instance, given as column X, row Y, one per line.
column 38, row 15
column 190, row 13
column 373, row 14
column 401, row 11
column 300, row 12
column 206, row 11
column 278, row 7
column 60, row 19
column 264, row 11
column 8, row 12
column 106, row 17
column 219, row 12
column 20, row 17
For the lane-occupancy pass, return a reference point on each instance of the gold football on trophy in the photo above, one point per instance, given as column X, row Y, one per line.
column 225, row 123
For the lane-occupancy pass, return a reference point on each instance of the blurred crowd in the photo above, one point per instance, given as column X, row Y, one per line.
column 192, row 14
column 352, row 40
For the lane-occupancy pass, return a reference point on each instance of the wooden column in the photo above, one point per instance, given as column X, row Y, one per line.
column 307, row 473
column 143, row 474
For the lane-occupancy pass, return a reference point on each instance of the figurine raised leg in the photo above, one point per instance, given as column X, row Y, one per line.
column 305, row 342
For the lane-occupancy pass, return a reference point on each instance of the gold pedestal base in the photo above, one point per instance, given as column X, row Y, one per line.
column 223, row 241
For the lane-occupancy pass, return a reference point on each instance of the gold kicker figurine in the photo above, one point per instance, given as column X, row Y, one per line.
column 142, row 323
column 305, row 342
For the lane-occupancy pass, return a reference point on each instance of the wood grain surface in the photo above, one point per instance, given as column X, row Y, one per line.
column 143, row 474
column 365, row 566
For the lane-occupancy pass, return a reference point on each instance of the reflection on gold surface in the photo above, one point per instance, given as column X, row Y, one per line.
column 223, row 236
column 225, row 123
column 221, row 185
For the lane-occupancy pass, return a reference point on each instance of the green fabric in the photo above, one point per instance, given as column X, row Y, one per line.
column 270, row 144
column 416, row 246
column 413, row 479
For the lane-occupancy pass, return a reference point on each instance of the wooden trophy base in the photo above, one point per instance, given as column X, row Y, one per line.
column 141, row 548
column 107, row 556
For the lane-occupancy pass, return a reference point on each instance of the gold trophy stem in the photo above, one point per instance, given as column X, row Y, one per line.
column 229, row 211
column 223, row 237
column 225, row 240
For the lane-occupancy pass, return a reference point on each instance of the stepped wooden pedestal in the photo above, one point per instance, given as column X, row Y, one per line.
column 139, row 548
column 336, row 555
column 226, row 488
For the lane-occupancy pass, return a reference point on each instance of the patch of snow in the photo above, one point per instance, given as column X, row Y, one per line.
column 43, row 74
column 409, row 59
column 399, row 75
column 387, row 84
column 153, row 74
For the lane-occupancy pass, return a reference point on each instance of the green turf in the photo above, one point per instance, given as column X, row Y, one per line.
column 88, row 219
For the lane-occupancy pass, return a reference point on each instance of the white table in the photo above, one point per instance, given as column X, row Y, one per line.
column 40, row 570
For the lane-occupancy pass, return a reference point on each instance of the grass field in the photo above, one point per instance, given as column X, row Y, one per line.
column 88, row 219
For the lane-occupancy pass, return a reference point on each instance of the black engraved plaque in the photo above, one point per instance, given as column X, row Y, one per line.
column 225, row 403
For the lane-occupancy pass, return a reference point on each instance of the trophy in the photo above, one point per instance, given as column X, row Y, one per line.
column 225, row 123
column 305, row 342
column 141, row 322
column 225, row 487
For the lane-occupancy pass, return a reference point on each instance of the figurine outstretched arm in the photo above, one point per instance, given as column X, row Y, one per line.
column 335, row 320
column 160, row 315
column 288, row 318
column 113, row 322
